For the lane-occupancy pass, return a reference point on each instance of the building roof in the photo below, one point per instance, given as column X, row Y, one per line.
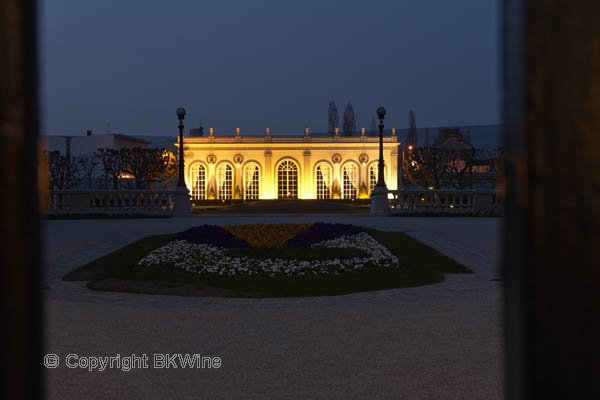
column 129, row 138
column 286, row 139
column 453, row 144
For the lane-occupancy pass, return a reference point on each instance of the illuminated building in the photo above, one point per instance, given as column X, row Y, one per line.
column 276, row 167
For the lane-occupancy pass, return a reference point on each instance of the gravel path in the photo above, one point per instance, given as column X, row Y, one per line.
column 438, row 341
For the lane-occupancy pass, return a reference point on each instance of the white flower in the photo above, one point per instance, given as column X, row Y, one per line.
column 211, row 260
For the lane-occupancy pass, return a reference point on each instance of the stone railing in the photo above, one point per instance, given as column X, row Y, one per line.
column 286, row 139
column 111, row 202
column 445, row 201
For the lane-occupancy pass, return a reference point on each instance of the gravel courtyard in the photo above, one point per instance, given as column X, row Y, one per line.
column 438, row 341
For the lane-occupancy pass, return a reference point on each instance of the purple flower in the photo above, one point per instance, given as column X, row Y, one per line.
column 321, row 231
column 213, row 235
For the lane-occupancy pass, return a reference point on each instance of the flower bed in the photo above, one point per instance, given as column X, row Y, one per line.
column 259, row 235
column 211, row 235
column 355, row 262
column 200, row 251
column 321, row 231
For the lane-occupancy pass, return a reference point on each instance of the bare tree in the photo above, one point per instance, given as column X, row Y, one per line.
column 137, row 162
column 88, row 163
column 165, row 169
column 112, row 165
column 144, row 166
column 349, row 125
column 333, row 118
column 434, row 167
column 459, row 168
column 64, row 171
column 147, row 165
column 425, row 166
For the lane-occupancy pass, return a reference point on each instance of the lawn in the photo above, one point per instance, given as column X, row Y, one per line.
column 419, row 265
column 103, row 216
column 285, row 207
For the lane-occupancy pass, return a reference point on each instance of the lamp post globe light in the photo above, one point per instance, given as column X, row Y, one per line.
column 379, row 196
column 182, row 204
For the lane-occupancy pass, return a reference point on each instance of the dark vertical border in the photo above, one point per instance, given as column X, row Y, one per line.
column 21, row 280
column 515, row 236
column 551, row 56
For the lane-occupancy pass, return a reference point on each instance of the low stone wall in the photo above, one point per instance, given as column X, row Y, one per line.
column 445, row 201
column 151, row 202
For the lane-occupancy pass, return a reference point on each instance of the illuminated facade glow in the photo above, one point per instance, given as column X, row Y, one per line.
column 270, row 167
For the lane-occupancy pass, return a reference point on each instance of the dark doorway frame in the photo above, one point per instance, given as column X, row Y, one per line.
column 20, row 241
column 551, row 75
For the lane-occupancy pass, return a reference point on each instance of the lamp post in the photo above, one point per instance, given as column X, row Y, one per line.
column 380, row 175
column 182, row 205
column 180, row 115
column 379, row 197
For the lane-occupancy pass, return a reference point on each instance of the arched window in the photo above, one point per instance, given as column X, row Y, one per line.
column 373, row 175
column 251, row 181
column 350, row 181
column 224, row 182
column 373, row 171
column 287, row 180
column 323, row 180
column 198, row 172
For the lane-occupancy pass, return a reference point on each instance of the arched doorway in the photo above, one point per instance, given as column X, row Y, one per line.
column 287, row 180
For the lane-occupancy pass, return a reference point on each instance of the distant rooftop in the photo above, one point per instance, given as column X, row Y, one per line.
column 482, row 136
column 120, row 136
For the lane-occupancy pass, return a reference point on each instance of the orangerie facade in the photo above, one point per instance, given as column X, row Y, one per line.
column 286, row 167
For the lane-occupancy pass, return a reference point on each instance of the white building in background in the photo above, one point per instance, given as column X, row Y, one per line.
column 304, row 167
column 81, row 145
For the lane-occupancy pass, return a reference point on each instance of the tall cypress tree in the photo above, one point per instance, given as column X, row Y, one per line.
column 349, row 125
column 412, row 131
column 333, row 118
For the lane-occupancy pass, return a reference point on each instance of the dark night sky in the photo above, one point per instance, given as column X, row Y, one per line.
column 257, row 64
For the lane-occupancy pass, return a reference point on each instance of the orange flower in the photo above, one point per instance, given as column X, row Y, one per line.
column 266, row 235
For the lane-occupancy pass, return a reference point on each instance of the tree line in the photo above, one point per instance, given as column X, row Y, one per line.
column 127, row 168
column 428, row 166
column 433, row 167
column 349, row 120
